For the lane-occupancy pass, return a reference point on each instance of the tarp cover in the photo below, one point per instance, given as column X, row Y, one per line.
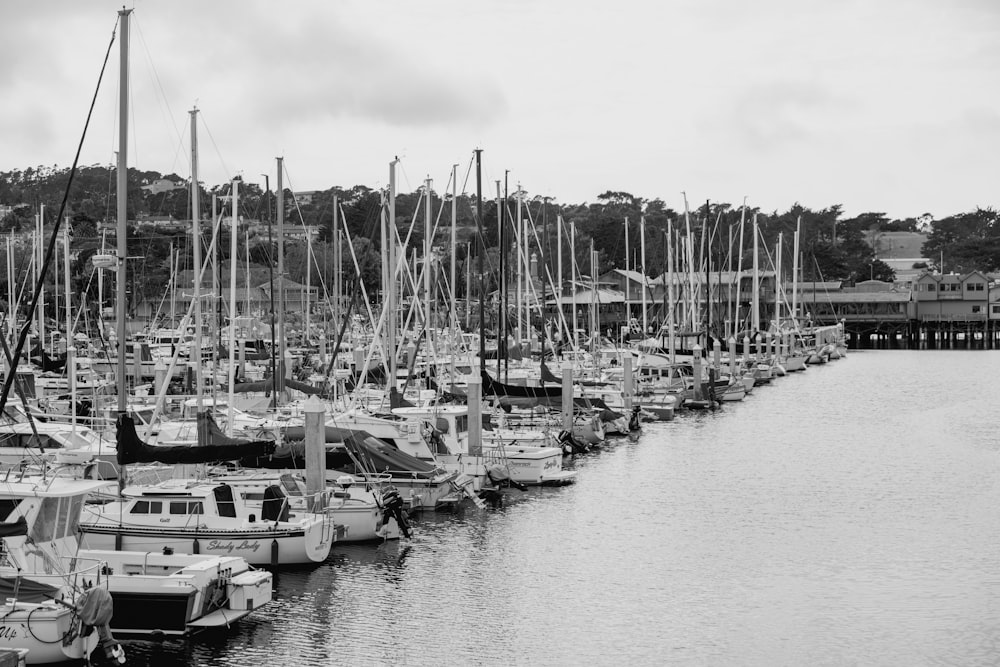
column 213, row 445
column 373, row 455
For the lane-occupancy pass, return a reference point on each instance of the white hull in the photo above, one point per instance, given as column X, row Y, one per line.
column 260, row 547
column 40, row 628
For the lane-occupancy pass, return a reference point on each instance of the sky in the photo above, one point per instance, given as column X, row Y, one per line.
column 890, row 106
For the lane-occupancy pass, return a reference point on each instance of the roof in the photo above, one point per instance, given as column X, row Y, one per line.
column 901, row 296
column 587, row 296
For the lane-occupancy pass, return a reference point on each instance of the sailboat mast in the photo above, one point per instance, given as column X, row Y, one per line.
column 795, row 275
column 122, row 201
column 642, row 244
column 755, row 315
column 670, row 288
column 628, row 297
column 280, row 205
column 428, row 294
column 480, row 252
column 233, row 232
column 454, row 246
column 739, row 264
column 502, row 271
column 779, row 290
column 195, row 356
column 390, row 251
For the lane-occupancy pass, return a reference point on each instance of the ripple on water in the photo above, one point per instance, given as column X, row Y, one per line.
column 845, row 515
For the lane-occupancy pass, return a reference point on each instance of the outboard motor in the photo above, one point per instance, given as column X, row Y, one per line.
column 633, row 420
column 392, row 506
column 569, row 444
column 96, row 610
column 498, row 479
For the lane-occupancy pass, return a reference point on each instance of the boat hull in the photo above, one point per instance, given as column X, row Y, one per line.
column 303, row 546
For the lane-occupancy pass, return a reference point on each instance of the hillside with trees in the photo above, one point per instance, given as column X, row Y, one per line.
column 832, row 246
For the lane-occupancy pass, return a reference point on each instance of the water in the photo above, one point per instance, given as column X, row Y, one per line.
column 842, row 516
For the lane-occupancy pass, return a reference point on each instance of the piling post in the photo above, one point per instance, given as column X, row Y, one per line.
column 696, row 369
column 627, row 390
column 475, row 397
column 567, row 397
column 315, row 446
column 732, row 357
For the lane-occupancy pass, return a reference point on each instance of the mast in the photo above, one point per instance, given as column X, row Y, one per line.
column 755, row 315
column 502, row 270
column 559, row 278
column 706, row 233
column 70, row 348
column 195, row 355
column 572, row 274
column 795, row 275
column 233, row 229
column 642, row 245
column 390, row 302
column 39, row 260
column 670, row 288
column 428, row 294
column 628, row 279
column 481, row 251
column 779, row 291
column 739, row 263
column 454, row 224
column 122, row 201
column 280, row 370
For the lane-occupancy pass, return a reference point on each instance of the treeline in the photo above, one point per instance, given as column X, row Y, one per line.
column 832, row 246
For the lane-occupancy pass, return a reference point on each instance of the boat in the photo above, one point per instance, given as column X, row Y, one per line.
column 447, row 429
column 49, row 595
column 202, row 516
column 354, row 505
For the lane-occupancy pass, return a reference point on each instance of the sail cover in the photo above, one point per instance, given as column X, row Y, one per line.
column 212, row 445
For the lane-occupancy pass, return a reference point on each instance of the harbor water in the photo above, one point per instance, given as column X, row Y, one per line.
column 846, row 515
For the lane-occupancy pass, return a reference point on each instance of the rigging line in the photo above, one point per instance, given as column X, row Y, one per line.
column 163, row 99
column 211, row 138
column 50, row 249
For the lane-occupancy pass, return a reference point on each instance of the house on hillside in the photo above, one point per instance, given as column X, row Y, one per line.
column 162, row 185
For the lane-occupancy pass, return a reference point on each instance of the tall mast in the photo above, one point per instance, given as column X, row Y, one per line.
column 233, row 231
column 280, row 188
column 755, row 315
column 706, row 232
column 122, row 200
column 795, row 275
column 196, row 243
column 739, row 271
column 502, row 270
column 670, row 288
column 559, row 276
column 453, row 319
column 628, row 279
column 642, row 244
column 391, row 286
column 779, row 289
column 39, row 260
column 481, row 250
column 428, row 295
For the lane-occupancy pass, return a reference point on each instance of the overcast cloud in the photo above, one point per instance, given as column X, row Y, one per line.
column 880, row 106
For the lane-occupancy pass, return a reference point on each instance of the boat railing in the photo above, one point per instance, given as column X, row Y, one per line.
column 81, row 574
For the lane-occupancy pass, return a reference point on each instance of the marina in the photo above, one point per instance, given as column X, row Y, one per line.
column 470, row 424
column 845, row 515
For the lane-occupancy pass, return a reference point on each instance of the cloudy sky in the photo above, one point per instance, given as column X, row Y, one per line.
column 887, row 105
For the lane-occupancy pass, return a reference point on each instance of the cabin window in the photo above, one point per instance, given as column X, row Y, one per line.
column 995, row 309
column 147, row 507
column 977, row 309
column 184, row 507
column 461, row 424
column 931, row 287
column 10, row 440
column 224, row 500
column 44, row 527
